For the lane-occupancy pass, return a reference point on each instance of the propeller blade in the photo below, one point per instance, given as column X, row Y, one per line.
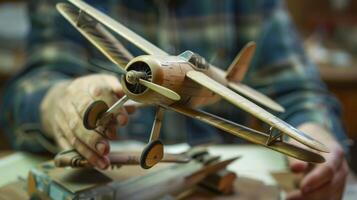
column 161, row 90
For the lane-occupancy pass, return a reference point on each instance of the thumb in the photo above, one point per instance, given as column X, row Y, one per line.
column 298, row 166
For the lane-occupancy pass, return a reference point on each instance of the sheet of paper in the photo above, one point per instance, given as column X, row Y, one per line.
column 17, row 165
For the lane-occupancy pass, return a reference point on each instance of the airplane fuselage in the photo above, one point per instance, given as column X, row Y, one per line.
column 170, row 72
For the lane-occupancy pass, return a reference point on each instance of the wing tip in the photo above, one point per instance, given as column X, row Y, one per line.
column 61, row 6
column 251, row 44
column 323, row 148
column 278, row 108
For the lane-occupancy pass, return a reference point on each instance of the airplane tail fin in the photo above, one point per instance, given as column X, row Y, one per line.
column 236, row 72
column 240, row 64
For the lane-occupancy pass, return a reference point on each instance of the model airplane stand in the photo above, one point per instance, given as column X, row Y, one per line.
column 132, row 182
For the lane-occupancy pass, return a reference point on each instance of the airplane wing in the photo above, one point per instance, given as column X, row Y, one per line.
column 256, row 96
column 120, row 29
column 96, row 34
column 250, row 135
column 249, row 92
column 255, row 110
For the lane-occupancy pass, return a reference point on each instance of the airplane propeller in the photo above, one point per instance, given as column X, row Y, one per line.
column 138, row 77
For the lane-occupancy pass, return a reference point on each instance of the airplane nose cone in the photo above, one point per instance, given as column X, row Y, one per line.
column 133, row 76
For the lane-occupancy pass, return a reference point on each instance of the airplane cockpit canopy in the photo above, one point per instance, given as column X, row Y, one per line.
column 196, row 60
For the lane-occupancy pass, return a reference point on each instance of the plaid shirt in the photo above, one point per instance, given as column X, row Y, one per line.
column 217, row 30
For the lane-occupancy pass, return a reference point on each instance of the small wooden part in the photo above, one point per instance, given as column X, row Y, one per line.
column 273, row 138
column 152, row 154
column 161, row 90
column 93, row 113
column 155, row 131
column 210, row 169
column 222, row 182
column 70, row 158
column 237, row 70
column 113, row 111
column 31, row 184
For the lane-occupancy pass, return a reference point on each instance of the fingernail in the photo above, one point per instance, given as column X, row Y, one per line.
column 101, row 147
column 111, row 134
column 101, row 164
column 122, row 119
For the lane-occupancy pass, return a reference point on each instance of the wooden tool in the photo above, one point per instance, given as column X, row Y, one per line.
column 47, row 181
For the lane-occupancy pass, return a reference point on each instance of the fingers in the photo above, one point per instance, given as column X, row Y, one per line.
column 298, row 166
column 92, row 139
column 106, row 88
column 114, row 84
column 111, row 131
column 323, row 173
column 332, row 190
column 99, row 161
column 130, row 109
column 91, row 156
column 316, row 178
column 325, row 181
column 341, row 180
column 295, row 195
column 68, row 118
column 122, row 117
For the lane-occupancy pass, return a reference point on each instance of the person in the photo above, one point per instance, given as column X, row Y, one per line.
column 44, row 104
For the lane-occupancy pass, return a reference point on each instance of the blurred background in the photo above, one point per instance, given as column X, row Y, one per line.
column 328, row 29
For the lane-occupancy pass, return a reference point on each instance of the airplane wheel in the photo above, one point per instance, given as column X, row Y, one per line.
column 92, row 114
column 152, row 154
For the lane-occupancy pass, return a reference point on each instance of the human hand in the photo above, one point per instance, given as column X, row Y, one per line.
column 62, row 112
column 323, row 181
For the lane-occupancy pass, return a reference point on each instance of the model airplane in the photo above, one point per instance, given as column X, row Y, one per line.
column 180, row 83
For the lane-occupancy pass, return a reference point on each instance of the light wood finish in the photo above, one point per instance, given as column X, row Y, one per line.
column 237, row 70
column 222, row 182
column 71, row 158
column 155, row 131
column 255, row 110
column 102, row 39
column 196, row 85
column 251, row 135
column 247, row 91
column 120, row 29
column 256, row 96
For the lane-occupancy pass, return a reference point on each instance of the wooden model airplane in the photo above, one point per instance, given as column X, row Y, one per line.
column 180, row 83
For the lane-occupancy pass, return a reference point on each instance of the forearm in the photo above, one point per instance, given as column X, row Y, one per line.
column 20, row 118
column 282, row 71
column 320, row 133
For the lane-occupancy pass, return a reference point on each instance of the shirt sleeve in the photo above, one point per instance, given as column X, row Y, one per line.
column 282, row 70
column 56, row 53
